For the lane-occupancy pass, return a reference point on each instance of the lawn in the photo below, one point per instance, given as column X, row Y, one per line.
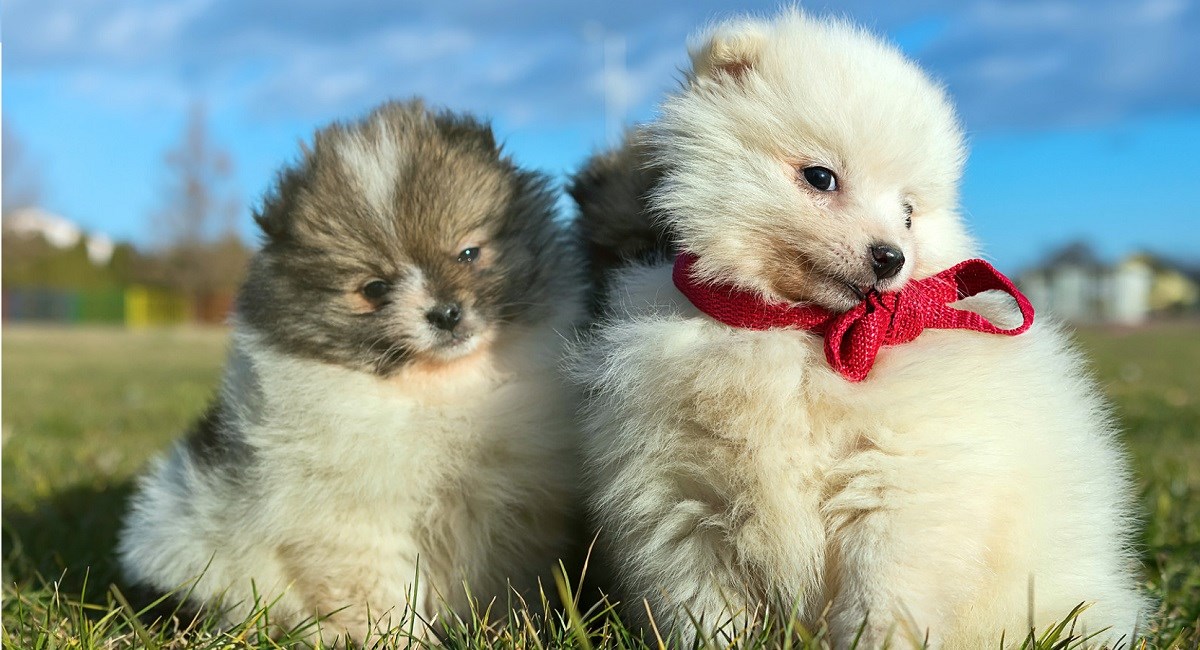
column 84, row 409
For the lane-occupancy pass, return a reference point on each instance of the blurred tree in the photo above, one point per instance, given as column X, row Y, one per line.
column 21, row 180
column 198, row 252
column 198, row 202
column 201, row 252
column 31, row 261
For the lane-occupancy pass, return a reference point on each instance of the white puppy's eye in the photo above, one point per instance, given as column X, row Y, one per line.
column 820, row 178
column 375, row 289
column 908, row 210
column 468, row 255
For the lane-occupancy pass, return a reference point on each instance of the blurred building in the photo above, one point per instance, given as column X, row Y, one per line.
column 1076, row 286
column 57, row 231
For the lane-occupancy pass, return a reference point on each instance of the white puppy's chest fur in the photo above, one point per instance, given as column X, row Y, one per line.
column 733, row 467
column 361, row 488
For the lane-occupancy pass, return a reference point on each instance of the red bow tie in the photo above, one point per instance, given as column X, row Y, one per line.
column 853, row 338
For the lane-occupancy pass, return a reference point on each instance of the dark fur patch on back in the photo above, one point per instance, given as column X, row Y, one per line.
column 616, row 223
column 212, row 441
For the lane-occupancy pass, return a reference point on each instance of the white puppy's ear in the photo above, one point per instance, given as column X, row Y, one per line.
column 729, row 52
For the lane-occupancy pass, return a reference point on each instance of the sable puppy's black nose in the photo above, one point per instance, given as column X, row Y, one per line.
column 886, row 261
column 445, row 316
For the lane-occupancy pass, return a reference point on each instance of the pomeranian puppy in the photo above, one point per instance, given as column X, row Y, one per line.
column 966, row 486
column 392, row 436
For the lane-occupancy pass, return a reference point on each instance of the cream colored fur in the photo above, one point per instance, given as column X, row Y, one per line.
column 732, row 470
column 368, row 491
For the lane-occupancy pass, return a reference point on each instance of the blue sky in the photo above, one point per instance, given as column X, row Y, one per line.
column 1084, row 117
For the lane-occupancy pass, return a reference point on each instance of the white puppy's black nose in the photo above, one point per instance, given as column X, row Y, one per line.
column 445, row 316
column 886, row 261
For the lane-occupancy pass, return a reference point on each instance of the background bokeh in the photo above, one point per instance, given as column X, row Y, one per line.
column 1084, row 115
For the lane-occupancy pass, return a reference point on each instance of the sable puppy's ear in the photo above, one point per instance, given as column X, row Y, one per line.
column 273, row 216
column 729, row 52
column 305, row 150
column 465, row 129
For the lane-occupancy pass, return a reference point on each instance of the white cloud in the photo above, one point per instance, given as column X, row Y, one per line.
column 1020, row 64
column 1156, row 11
column 59, row 28
column 336, row 87
column 134, row 31
column 414, row 45
column 1038, row 65
column 1009, row 68
column 152, row 92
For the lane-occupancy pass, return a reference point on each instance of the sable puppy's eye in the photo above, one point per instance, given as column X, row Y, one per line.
column 468, row 255
column 375, row 289
column 820, row 178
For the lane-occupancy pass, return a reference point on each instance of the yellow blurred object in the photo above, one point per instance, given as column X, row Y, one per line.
column 1172, row 289
column 148, row 307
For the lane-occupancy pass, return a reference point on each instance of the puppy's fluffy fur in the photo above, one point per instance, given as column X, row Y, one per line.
column 361, row 461
column 972, row 480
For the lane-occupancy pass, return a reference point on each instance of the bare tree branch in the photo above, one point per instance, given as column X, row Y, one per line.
column 196, row 224
column 198, row 197
column 22, row 186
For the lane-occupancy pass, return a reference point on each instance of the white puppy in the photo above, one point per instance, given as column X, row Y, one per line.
column 970, row 482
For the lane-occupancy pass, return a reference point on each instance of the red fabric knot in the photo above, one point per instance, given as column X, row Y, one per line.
column 853, row 338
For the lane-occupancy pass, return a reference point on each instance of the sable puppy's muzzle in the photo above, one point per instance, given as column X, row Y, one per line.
column 445, row 316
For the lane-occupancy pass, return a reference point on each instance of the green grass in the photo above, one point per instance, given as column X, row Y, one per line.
column 84, row 409
column 1153, row 379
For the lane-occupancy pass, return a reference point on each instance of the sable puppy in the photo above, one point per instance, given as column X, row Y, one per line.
column 391, row 423
column 971, row 480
